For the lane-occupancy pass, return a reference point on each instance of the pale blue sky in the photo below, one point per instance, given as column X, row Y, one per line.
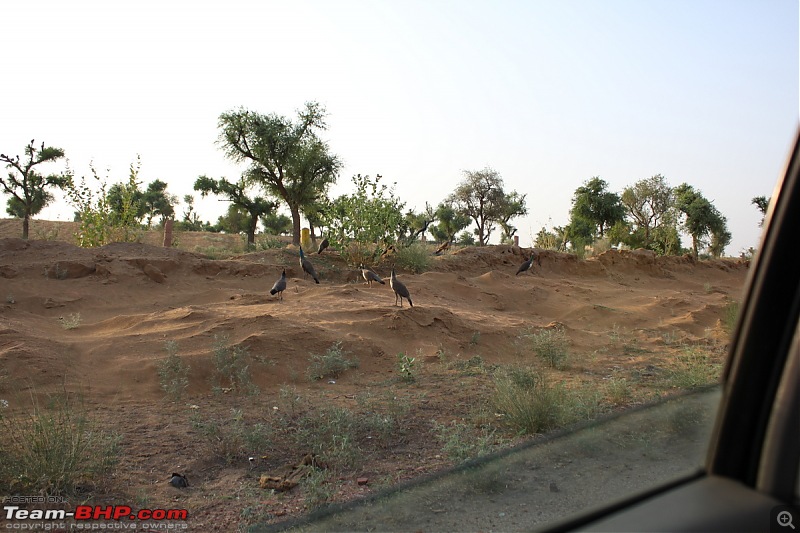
column 548, row 93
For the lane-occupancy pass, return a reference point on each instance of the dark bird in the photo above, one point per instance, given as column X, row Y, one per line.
column 529, row 263
column 370, row 276
column 444, row 246
column 324, row 244
column 307, row 267
column 400, row 290
column 178, row 481
column 280, row 285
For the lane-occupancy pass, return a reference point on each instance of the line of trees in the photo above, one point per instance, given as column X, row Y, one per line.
column 288, row 163
column 648, row 214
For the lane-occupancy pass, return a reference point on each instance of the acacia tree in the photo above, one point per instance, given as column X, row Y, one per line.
column 236, row 193
column 481, row 197
column 513, row 206
column 28, row 188
column 451, row 221
column 594, row 203
column 701, row 218
column 761, row 203
column 649, row 203
column 287, row 158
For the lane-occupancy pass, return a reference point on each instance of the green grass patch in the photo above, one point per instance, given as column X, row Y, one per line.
column 331, row 364
column 54, row 449
column 531, row 402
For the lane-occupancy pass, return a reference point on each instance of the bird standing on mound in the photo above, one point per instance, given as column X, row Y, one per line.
column 324, row 244
column 307, row 267
column 370, row 276
column 529, row 263
column 280, row 285
column 400, row 290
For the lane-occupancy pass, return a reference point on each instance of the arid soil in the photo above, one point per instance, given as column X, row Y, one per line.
column 95, row 323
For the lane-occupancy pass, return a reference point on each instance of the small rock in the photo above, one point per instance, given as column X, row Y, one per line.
column 554, row 487
column 362, row 480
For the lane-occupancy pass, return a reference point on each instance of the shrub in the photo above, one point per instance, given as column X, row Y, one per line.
column 549, row 344
column 234, row 439
column 407, row 367
column 692, row 369
column 53, row 450
column 461, row 442
column 331, row 364
column 415, row 257
column 71, row 321
column 173, row 373
column 232, row 367
column 531, row 403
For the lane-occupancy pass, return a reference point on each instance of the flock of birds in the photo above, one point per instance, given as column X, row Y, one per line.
column 398, row 287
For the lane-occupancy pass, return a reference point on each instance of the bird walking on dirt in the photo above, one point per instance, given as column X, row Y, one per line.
column 307, row 267
column 324, row 244
column 529, row 263
column 400, row 290
column 370, row 276
column 279, row 285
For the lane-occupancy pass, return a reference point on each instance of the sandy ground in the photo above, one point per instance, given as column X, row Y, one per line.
column 625, row 314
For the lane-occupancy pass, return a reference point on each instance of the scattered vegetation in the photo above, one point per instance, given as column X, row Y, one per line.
column 531, row 402
column 233, row 439
column 460, row 442
column 407, row 367
column 550, row 344
column 71, row 321
column 232, row 367
column 730, row 313
column 331, row 364
column 173, row 372
column 695, row 367
column 415, row 257
column 54, row 450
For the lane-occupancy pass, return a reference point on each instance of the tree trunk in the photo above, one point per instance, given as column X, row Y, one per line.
column 694, row 247
column 251, row 231
column 295, row 224
column 25, row 224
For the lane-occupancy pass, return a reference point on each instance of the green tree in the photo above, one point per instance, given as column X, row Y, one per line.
column 416, row 224
column 701, row 219
column 365, row 223
column 649, row 203
column 762, row 203
column 451, row 221
column 513, row 207
column 103, row 219
column 26, row 186
column 287, row 158
column 594, row 203
column 276, row 224
column 481, row 197
column 157, row 202
column 236, row 193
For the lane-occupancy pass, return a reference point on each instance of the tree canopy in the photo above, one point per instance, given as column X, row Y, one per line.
column 286, row 157
column 26, row 186
column 237, row 194
column 649, row 203
column 481, row 197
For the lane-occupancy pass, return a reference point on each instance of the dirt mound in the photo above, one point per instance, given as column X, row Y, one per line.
column 98, row 321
